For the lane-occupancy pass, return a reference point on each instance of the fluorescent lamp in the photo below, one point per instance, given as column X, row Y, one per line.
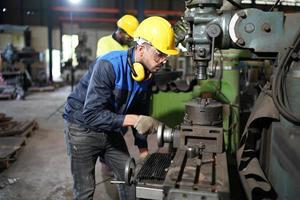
column 74, row 1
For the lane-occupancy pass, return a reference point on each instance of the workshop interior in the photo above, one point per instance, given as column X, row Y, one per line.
column 228, row 101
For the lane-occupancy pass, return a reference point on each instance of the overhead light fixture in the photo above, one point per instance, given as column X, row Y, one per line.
column 74, row 1
column 4, row 10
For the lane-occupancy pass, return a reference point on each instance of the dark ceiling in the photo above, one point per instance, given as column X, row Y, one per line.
column 91, row 13
column 86, row 13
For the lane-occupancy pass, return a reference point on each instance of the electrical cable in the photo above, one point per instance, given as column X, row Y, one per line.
column 279, row 92
column 276, row 3
column 235, row 4
column 57, row 111
column 104, row 180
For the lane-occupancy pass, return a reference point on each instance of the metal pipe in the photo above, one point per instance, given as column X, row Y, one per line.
column 49, row 22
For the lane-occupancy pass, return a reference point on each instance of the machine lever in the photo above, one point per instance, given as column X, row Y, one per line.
column 117, row 182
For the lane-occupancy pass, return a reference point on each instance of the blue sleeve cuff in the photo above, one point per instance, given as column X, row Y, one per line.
column 118, row 121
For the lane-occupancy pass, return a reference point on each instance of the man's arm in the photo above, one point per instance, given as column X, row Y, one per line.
column 142, row 108
column 99, row 103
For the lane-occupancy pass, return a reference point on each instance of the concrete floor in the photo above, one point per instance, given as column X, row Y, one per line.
column 42, row 168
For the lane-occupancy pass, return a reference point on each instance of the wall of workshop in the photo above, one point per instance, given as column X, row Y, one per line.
column 93, row 34
column 39, row 39
column 39, row 42
column 17, row 39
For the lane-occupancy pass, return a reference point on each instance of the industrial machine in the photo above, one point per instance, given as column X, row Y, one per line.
column 72, row 74
column 195, row 166
column 267, row 157
column 16, row 76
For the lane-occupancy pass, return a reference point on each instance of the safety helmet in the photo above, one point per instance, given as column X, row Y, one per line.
column 128, row 23
column 159, row 33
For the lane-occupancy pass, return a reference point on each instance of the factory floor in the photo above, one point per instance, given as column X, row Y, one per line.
column 42, row 169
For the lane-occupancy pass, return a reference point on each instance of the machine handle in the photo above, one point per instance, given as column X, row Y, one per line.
column 117, row 182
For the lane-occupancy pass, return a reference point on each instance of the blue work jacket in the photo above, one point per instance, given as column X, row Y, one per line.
column 106, row 93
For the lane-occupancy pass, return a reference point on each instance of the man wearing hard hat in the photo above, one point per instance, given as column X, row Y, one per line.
column 112, row 95
column 121, row 38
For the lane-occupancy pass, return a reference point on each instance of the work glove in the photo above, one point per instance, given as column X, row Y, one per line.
column 146, row 125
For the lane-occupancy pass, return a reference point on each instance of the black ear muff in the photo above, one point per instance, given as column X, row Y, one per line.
column 138, row 72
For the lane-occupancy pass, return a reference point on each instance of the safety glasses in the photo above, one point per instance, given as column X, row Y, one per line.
column 158, row 55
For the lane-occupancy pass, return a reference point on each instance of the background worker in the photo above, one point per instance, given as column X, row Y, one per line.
column 121, row 38
column 112, row 95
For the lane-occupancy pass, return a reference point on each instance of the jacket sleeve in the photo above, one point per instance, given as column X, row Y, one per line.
column 98, row 110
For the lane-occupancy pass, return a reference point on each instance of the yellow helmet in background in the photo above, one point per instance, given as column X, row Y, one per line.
column 159, row 32
column 128, row 23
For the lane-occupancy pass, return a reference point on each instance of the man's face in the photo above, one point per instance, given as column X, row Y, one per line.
column 125, row 38
column 153, row 58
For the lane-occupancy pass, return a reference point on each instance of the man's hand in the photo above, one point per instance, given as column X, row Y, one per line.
column 146, row 125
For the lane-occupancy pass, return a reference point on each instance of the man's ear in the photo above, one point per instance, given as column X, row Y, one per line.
column 140, row 50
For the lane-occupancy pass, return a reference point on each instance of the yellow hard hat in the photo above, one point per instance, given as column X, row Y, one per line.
column 157, row 31
column 128, row 23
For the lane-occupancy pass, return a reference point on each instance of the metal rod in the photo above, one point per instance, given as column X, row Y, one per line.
column 117, row 182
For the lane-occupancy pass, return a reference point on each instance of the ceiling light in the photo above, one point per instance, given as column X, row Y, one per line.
column 74, row 1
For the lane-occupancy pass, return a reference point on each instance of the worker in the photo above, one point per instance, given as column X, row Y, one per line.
column 113, row 95
column 121, row 38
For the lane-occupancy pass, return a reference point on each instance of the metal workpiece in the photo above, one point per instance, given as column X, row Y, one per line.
column 203, row 112
column 164, row 135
